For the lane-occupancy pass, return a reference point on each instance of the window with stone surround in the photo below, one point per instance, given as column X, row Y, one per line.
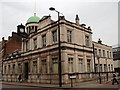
column 80, row 65
column 103, row 53
column 44, row 66
column 44, row 40
column 87, row 41
column 34, row 67
column 35, row 43
column 69, row 36
column 19, row 68
column 70, row 64
column 55, row 65
column 54, row 36
column 88, row 65
column 13, row 70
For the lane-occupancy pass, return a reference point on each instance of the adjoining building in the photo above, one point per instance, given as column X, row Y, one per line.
column 103, row 57
column 116, row 58
column 38, row 59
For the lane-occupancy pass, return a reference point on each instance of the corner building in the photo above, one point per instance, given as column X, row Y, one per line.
column 38, row 60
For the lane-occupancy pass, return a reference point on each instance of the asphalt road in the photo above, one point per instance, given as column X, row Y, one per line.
column 20, row 87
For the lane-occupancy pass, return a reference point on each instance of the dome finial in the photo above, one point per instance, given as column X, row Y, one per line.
column 34, row 14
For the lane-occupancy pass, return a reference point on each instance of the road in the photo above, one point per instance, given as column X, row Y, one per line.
column 23, row 87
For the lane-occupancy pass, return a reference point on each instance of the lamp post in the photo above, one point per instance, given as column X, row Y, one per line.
column 106, row 69
column 59, row 48
column 99, row 69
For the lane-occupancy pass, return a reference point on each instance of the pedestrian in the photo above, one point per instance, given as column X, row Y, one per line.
column 114, row 80
column 19, row 78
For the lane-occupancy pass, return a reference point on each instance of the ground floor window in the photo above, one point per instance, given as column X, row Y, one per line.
column 55, row 65
column 34, row 67
column 44, row 66
column 9, row 69
column 88, row 65
column 80, row 65
column 13, row 70
column 70, row 65
column 19, row 68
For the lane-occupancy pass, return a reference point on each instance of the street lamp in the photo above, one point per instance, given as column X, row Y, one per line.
column 99, row 68
column 106, row 69
column 59, row 48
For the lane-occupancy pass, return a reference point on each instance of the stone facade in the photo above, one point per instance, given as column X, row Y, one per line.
column 116, row 58
column 104, row 57
column 38, row 60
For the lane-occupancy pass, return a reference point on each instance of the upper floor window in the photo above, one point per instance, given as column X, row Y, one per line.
column 103, row 53
column 5, row 69
column 27, row 45
column 87, row 41
column 100, row 53
column 69, row 36
column 108, row 54
column 54, row 36
column 35, row 43
column 44, row 40
column 95, row 51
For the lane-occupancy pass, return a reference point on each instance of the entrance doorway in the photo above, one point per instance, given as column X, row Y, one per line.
column 26, row 71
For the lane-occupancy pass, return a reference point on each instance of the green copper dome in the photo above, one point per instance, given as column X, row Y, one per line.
column 33, row 19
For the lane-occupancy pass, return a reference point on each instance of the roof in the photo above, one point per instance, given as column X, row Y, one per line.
column 33, row 19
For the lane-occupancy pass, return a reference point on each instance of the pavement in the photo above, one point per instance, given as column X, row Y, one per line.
column 87, row 84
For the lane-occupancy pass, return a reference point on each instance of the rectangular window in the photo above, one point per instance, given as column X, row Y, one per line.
column 34, row 67
column 5, row 69
column 105, row 67
column 88, row 65
column 108, row 67
column 111, row 67
column 80, row 65
column 70, row 65
column 13, row 70
column 54, row 36
column 54, row 65
column 100, row 67
column 44, row 66
column 19, row 68
column 108, row 54
column 87, row 41
column 27, row 45
column 69, row 36
column 35, row 43
column 96, row 66
column 9, row 69
column 99, row 52
column 44, row 40
column 103, row 53
column 95, row 52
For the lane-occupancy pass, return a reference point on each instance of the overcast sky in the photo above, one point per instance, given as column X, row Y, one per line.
column 101, row 16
